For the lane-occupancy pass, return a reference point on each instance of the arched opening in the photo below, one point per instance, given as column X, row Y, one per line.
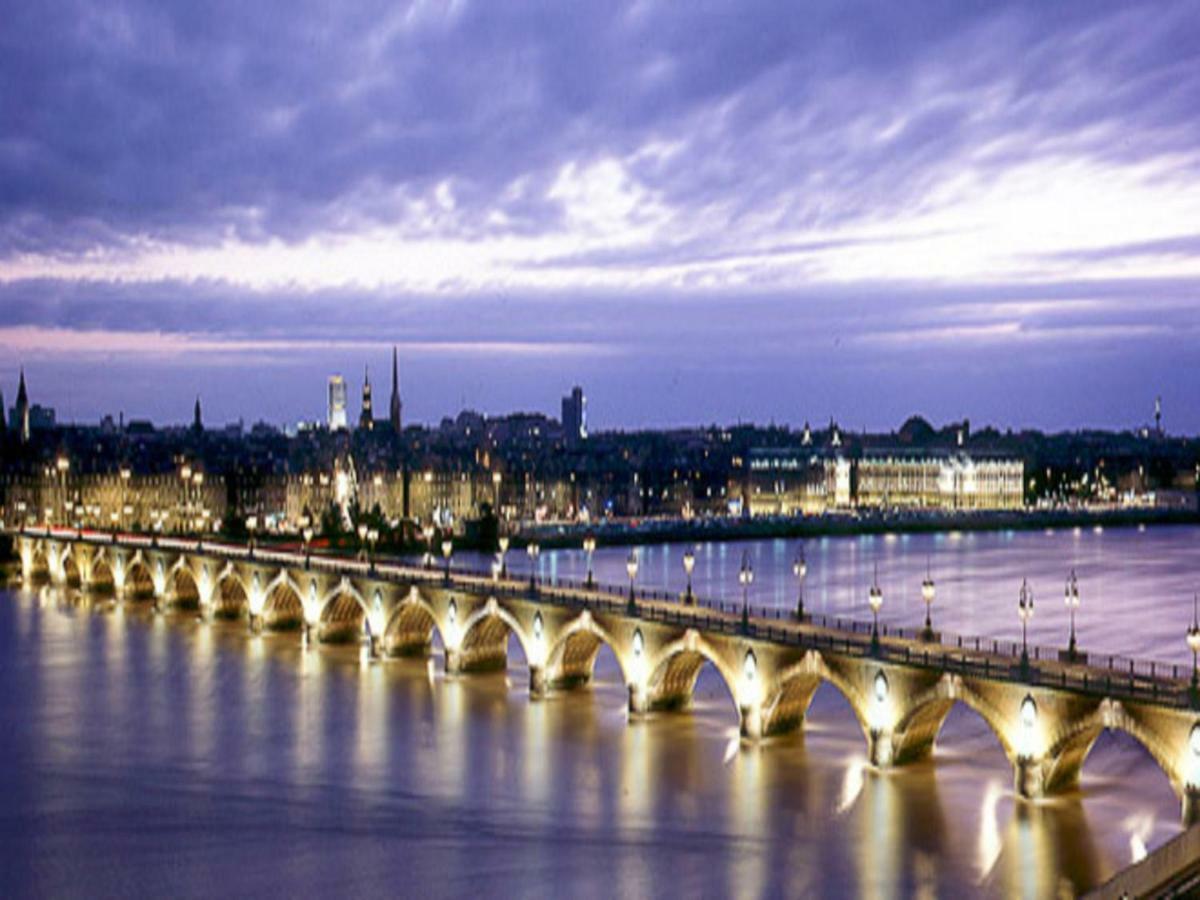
column 1116, row 765
column 484, row 645
column 102, row 581
column 71, row 571
column 283, row 610
column 40, row 567
column 139, row 583
column 410, row 631
column 342, row 620
column 689, row 678
column 573, row 661
column 231, row 601
column 184, row 592
column 786, row 708
column 958, row 730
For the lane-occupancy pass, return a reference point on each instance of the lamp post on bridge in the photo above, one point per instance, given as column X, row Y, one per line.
column 502, row 542
column 533, row 550
column 689, row 563
column 1025, row 612
column 251, row 527
column 308, row 536
column 362, row 540
column 1193, row 642
column 746, row 578
column 875, row 601
column 1071, row 599
column 928, row 593
column 589, row 547
column 372, row 540
column 429, row 532
column 800, row 570
column 447, row 550
column 631, row 568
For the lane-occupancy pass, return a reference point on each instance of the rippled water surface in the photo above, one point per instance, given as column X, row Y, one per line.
column 157, row 756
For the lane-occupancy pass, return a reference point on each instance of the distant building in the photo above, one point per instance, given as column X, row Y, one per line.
column 42, row 418
column 394, row 409
column 932, row 479
column 366, row 418
column 574, row 416
column 337, row 403
column 197, row 422
column 20, row 419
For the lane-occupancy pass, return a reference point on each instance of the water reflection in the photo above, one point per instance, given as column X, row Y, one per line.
column 277, row 768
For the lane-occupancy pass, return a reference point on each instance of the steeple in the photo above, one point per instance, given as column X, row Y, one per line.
column 366, row 419
column 22, row 410
column 197, row 422
column 394, row 412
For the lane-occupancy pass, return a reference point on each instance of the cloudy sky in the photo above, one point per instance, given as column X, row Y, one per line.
column 700, row 211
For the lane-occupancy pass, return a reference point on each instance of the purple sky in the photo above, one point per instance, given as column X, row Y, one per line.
column 700, row 211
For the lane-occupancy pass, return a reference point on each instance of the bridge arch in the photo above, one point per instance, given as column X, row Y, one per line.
column 231, row 599
column 786, row 705
column 411, row 626
column 917, row 730
column 139, row 582
column 101, row 577
column 571, row 659
column 182, row 586
column 483, row 644
column 39, row 568
column 70, row 568
column 674, row 670
column 283, row 608
column 343, row 612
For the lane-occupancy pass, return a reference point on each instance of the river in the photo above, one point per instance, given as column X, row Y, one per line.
column 156, row 755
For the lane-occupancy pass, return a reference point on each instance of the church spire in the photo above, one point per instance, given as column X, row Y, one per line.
column 22, row 410
column 197, row 422
column 394, row 411
column 366, row 419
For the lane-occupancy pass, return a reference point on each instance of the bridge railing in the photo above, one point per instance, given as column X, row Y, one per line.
column 1111, row 674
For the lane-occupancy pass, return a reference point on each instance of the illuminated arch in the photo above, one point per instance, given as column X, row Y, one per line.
column 918, row 729
column 184, row 591
column 139, row 582
column 410, row 627
column 101, row 578
column 674, row 671
column 343, row 613
column 572, row 657
column 485, row 632
column 787, row 704
column 70, row 569
column 231, row 598
column 283, row 607
column 39, row 569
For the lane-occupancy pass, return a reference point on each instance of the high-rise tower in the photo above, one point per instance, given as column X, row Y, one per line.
column 366, row 418
column 22, row 411
column 394, row 411
column 337, row 403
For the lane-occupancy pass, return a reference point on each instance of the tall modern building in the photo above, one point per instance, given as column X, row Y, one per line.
column 574, row 415
column 366, row 418
column 337, row 403
column 394, row 411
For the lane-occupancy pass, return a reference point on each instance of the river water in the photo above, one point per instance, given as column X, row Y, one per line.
column 157, row 756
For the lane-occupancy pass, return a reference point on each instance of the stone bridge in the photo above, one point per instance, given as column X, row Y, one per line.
column 1046, row 714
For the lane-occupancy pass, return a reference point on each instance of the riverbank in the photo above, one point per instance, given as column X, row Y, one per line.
column 664, row 531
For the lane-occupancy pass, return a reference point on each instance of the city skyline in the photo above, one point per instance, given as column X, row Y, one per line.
column 945, row 200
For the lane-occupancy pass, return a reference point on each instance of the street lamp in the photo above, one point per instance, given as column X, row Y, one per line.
column 928, row 593
column 447, row 549
column 1193, row 642
column 308, row 536
column 372, row 539
column 362, row 540
column 1025, row 611
column 503, row 543
column 63, row 465
column 589, row 547
column 746, row 578
column 689, row 563
column 800, row 570
column 429, row 532
column 126, row 474
column 1071, row 599
column 533, row 550
column 251, row 526
column 631, row 567
column 875, row 599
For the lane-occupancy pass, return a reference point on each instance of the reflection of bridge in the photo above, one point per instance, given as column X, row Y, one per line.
column 1046, row 715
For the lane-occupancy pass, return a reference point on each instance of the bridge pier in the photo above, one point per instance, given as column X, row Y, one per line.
column 751, row 725
column 1191, row 807
column 539, row 683
column 256, row 623
column 453, row 661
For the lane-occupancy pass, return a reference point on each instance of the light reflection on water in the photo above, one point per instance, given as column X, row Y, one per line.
column 157, row 755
